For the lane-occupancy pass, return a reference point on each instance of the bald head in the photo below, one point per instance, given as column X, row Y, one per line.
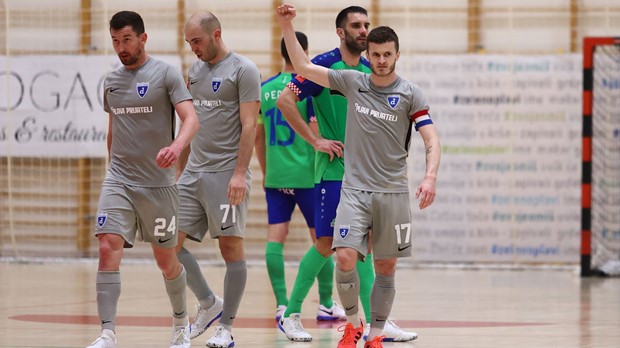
column 205, row 20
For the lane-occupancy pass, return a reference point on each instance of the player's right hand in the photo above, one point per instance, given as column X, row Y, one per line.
column 330, row 147
column 285, row 13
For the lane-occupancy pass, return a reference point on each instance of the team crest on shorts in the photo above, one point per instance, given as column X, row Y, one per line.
column 101, row 219
column 343, row 230
column 142, row 88
column 393, row 100
column 216, row 83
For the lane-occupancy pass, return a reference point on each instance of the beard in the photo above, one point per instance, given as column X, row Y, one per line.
column 390, row 69
column 352, row 45
column 209, row 54
column 131, row 59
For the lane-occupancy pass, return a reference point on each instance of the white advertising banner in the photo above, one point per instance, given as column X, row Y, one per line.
column 509, row 182
column 51, row 106
column 508, row 189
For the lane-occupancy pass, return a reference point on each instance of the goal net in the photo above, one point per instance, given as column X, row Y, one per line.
column 601, row 154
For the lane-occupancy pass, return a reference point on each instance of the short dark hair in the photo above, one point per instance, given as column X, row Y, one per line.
column 381, row 35
column 303, row 41
column 344, row 14
column 127, row 18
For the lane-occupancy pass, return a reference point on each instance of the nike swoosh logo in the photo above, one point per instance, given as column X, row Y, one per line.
column 362, row 90
column 164, row 240
column 113, row 89
column 225, row 228
column 401, row 249
column 329, row 312
column 179, row 314
column 379, row 320
column 350, row 308
column 192, row 82
column 106, row 321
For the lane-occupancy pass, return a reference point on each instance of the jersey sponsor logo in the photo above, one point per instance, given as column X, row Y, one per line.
column 375, row 113
column 101, row 219
column 403, row 248
column 343, row 230
column 216, row 82
column 208, row 103
column 226, row 227
column 393, row 100
column 132, row 110
column 142, row 88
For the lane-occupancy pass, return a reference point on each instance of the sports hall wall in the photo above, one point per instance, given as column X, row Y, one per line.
column 503, row 79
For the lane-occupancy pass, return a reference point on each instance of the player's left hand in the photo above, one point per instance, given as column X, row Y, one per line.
column 237, row 189
column 166, row 157
column 426, row 191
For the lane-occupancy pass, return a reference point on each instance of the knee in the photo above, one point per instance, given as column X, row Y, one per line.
column 170, row 268
column 347, row 258
column 385, row 267
column 110, row 252
column 231, row 249
column 277, row 232
column 324, row 246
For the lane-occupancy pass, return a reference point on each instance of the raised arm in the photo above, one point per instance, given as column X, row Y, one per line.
column 426, row 190
column 302, row 64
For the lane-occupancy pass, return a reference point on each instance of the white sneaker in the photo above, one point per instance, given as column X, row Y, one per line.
column 221, row 339
column 331, row 314
column 392, row 332
column 180, row 337
column 293, row 329
column 206, row 317
column 106, row 340
column 280, row 312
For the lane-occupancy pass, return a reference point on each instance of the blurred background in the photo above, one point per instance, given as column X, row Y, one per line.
column 504, row 79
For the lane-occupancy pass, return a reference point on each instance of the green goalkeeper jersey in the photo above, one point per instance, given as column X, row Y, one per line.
column 289, row 158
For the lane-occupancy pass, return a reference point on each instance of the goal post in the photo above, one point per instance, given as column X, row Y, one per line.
column 600, row 213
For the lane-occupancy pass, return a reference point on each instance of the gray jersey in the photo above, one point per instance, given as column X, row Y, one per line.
column 379, row 123
column 217, row 91
column 141, row 102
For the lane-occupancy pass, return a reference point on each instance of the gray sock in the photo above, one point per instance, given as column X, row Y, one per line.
column 196, row 282
column 348, row 285
column 176, row 293
column 234, row 285
column 381, row 299
column 108, row 286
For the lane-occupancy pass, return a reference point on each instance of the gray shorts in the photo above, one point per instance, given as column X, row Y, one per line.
column 150, row 213
column 387, row 214
column 204, row 206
